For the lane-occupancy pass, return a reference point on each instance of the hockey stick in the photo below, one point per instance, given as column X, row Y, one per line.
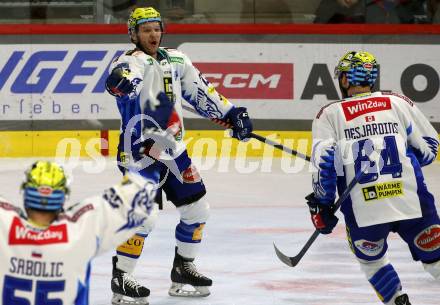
column 292, row 261
column 255, row 136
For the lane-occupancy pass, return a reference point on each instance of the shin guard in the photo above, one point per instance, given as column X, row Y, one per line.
column 386, row 282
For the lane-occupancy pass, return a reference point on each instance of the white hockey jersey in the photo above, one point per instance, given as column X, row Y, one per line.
column 384, row 133
column 41, row 266
column 180, row 81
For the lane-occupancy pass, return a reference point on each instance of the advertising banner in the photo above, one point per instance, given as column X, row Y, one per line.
column 299, row 93
column 274, row 80
column 56, row 82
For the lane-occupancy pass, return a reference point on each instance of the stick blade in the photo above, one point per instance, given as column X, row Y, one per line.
column 289, row 261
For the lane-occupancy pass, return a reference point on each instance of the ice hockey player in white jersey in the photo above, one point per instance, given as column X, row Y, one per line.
column 384, row 135
column 47, row 251
column 47, row 248
column 129, row 77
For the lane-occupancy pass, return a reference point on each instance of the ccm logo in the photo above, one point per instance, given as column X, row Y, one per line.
column 250, row 80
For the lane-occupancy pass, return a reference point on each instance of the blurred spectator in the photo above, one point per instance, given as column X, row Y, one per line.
column 340, row 11
column 173, row 11
column 118, row 10
column 180, row 15
column 396, row 11
column 434, row 10
column 265, row 11
column 373, row 11
column 38, row 13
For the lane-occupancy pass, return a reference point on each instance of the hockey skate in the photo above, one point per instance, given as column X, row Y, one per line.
column 402, row 300
column 184, row 273
column 126, row 290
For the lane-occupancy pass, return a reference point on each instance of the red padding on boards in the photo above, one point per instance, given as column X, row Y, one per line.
column 258, row 29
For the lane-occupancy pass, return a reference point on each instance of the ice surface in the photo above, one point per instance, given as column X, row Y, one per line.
column 249, row 212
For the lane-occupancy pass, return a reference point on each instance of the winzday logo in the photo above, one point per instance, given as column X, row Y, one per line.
column 19, row 234
column 354, row 109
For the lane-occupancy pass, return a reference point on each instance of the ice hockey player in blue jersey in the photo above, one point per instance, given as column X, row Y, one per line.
column 131, row 76
column 384, row 135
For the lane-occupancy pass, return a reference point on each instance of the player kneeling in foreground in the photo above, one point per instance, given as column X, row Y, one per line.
column 386, row 133
column 47, row 251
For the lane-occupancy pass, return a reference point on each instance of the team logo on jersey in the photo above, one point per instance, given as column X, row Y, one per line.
column 428, row 239
column 22, row 235
column 353, row 109
column 383, row 190
column 370, row 248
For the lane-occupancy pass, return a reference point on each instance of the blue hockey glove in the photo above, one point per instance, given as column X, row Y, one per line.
column 323, row 215
column 241, row 123
column 117, row 83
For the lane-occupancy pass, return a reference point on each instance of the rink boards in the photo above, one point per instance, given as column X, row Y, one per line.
column 94, row 143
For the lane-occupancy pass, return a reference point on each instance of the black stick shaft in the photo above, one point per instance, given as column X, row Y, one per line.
column 257, row 137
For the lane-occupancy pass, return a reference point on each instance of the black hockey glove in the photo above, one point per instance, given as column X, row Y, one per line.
column 323, row 215
column 241, row 123
column 117, row 83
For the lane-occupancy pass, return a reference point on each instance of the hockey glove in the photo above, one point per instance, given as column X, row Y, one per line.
column 323, row 215
column 241, row 123
column 117, row 83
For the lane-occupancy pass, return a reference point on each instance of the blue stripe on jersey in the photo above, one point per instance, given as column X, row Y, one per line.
column 422, row 190
column 432, row 144
column 409, row 130
column 210, row 110
column 386, row 282
column 128, row 108
column 82, row 294
column 325, row 187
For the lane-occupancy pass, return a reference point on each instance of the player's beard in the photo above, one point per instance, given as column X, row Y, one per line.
column 148, row 49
